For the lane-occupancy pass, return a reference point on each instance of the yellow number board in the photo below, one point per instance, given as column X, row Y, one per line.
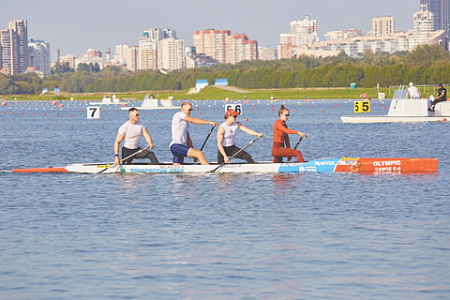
column 362, row 106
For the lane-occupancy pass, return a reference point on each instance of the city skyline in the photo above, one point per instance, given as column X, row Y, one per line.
column 75, row 28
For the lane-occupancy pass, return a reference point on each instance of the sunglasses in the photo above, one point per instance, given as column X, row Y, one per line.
column 234, row 116
column 287, row 115
column 137, row 115
column 190, row 109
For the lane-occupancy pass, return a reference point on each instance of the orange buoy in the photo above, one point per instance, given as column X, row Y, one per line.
column 4, row 103
column 246, row 120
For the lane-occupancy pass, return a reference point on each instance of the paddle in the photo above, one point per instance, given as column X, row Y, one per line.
column 222, row 164
column 204, row 143
column 298, row 142
column 129, row 156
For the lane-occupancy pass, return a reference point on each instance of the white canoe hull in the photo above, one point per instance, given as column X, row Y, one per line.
column 327, row 165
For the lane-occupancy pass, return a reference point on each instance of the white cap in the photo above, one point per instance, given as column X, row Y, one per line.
column 410, row 84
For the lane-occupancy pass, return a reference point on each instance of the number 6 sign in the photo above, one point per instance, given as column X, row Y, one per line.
column 236, row 107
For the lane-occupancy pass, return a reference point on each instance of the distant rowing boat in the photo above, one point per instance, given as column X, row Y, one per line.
column 327, row 165
column 151, row 103
column 108, row 101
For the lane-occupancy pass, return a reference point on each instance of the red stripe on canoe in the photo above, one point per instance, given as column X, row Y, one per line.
column 389, row 165
column 42, row 170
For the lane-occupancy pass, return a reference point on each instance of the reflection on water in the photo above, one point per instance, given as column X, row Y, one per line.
column 255, row 236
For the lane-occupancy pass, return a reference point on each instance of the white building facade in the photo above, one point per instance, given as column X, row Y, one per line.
column 39, row 56
column 159, row 49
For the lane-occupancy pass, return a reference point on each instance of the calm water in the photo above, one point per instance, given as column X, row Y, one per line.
column 244, row 236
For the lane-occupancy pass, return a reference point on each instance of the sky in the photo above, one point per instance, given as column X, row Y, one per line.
column 75, row 26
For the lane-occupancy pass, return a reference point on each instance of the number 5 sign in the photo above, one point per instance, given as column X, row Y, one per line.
column 237, row 108
column 362, row 107
column 93, row 112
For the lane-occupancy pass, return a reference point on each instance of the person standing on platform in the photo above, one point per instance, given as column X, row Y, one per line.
column 413, row 92
column 130, row 132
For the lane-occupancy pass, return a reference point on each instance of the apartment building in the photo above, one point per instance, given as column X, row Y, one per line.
column 39, row 56
column 383, row 26
column 160, row 49
column 302, row 32
column 225, row 47
column 90, row 56
column 213, row 43
column 14, row 48
column 441, row 11
column 69, row 58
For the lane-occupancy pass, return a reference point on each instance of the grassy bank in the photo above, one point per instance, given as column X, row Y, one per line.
column 214, row 93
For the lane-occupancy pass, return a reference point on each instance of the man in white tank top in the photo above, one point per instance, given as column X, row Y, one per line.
column 181, row 145
column 130, row 132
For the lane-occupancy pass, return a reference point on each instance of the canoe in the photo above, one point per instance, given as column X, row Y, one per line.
column 326, row 165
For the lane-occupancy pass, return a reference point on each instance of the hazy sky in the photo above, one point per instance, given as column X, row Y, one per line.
column 73, row 26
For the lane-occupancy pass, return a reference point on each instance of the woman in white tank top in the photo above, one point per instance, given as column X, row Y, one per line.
column 225, row 138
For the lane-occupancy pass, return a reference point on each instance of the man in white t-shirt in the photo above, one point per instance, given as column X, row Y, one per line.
column 181, row 145
column 413, row 91
column 130, row 132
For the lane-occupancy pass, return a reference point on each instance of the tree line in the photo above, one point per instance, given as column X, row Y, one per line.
column 425, row 65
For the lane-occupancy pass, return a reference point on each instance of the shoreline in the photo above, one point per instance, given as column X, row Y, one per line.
column 214, row 93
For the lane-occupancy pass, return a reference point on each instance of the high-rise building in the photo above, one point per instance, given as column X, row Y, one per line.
column 160, row 49
column 224, row 47
column 171, row 54
column 441, row 11
column 265, row 53
column 91, row 56
column 424, row 29
column 304, row 31
column 213, row 43
column 121, row 54
column 383, row 26
column 39, row 56
column 69, row 58
column 242, row 48
column 132, row 56
column 14, row 47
